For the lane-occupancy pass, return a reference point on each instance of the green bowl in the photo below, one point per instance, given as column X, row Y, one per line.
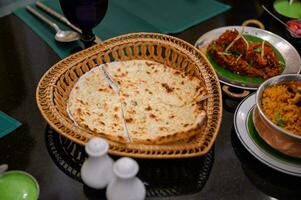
column 15, row 185
column 290, row 11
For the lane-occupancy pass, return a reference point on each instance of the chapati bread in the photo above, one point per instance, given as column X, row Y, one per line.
column 161, row 104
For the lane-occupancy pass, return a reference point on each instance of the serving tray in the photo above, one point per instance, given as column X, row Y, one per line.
column 54, row 87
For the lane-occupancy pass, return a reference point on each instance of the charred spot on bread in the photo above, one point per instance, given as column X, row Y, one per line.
column 167, row 87
column 150, row 63
column 129, row 120
column 148, row 108
column 152, row 116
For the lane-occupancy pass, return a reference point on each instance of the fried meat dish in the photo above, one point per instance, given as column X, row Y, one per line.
column 255, row 59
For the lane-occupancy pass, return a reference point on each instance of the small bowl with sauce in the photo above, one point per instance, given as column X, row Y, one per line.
column 17, row 184
column 294, row 27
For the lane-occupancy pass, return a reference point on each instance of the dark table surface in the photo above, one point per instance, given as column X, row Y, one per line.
column 24, row 58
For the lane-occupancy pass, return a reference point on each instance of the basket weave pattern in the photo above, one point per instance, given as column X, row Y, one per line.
column 54, row 88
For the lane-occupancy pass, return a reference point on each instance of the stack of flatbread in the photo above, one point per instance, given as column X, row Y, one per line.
column 156, row 104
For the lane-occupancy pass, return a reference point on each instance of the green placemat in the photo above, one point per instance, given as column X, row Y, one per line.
column 7, row 124
column 126, row 16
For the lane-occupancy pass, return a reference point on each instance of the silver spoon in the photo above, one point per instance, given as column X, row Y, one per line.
column 61, row 36
column 283, row 23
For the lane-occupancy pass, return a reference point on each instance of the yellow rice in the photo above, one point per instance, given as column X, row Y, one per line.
column 277, row 106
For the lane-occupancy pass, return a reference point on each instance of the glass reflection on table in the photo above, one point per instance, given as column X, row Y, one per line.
column 270, row 181
column 162, row 178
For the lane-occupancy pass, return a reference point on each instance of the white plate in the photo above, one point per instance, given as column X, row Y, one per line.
column 257, row 147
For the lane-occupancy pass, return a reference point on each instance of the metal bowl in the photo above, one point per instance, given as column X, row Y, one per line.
column 277, row 137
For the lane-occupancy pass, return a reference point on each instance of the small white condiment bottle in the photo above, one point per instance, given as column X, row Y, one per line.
column 126, row 185
column 97, row 170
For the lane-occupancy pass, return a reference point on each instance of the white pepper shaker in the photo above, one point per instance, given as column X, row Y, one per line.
column 97, row 170
column 126, row 185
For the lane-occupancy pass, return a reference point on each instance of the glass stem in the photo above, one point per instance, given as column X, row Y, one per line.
column 88, row 38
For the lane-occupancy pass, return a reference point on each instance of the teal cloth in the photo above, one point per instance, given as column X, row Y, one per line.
column 7, row 124
column 126, row 16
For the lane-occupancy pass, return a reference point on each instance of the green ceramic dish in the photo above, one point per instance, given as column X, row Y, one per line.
column 291, row 11
column 18, row 185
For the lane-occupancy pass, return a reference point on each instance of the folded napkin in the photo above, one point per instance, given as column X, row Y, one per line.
column 126, row 16
column 7, row 124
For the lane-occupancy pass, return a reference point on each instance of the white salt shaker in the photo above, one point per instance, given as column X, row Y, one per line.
column 126, row 185
column 97, row 170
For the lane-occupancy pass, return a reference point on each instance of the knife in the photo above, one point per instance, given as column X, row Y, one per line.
column 62, row 19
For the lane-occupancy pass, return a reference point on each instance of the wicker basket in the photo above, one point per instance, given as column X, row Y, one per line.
column 54, row 88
